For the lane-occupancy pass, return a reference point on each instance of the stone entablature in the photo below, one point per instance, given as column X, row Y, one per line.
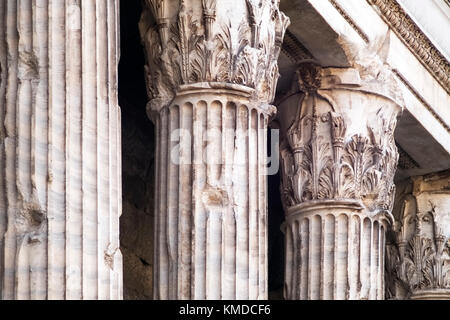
column 415, row 39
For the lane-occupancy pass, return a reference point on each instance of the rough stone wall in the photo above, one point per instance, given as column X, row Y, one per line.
column 136, row 228
column 136, row 223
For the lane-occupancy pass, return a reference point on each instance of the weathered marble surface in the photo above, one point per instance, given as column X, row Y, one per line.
column 211, row 73
column 338, row 165
column 418, row 251
column 60, row 180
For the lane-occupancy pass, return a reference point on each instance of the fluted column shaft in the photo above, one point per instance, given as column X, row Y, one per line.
column 211, row 75
column 334, row 251
column 60, row 150
column 211, row 237
column 338, row 163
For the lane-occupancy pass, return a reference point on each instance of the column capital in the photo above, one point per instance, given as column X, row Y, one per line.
column 338, row 160
column 212, row 42
column 418, row 254
column 341, row 144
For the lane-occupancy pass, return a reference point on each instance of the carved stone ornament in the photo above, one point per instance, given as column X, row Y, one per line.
column 418, row 253
column 338, row 163
column 211, row 70
column 341, row 144
column 211, row 41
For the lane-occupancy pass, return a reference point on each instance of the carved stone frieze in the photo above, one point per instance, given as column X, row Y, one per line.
column 418, row 253
column 415, row 39
column 228, row 42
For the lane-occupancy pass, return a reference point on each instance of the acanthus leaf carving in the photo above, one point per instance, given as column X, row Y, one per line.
column 420, row 248
column 336, row 158
column 331, row 163
column 211, row 46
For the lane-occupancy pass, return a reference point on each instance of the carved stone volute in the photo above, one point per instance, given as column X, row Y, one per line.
column 211, row 41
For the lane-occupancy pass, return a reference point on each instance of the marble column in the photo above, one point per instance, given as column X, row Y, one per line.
column 418, row 249
column 338, row 160
column 60, row 185
column 211, row 70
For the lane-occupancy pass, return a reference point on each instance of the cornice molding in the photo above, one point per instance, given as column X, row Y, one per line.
column 350, row 21
column 421, row 99
column 416, row 41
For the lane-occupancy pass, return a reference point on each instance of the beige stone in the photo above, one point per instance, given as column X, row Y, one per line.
column 60, row 150
column 196, row 228
column 211, row 74
column 338, row 164
column 418, row 252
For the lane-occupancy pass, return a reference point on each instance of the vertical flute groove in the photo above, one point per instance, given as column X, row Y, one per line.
column 172, row 194
column 56, row 185
column 159, row 182
column 199, row 280
column 3, row 89
column 253, row 204
column 297, row 260
column 304, row 254
column 90, row 174
column 40, row 143
column 9, row 285
column 163, row 214
column 261, row 206
column 241, row 200
column 186, row 119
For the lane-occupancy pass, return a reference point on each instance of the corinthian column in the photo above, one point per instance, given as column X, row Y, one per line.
column 338, row 160
column 211, row 74
column 418, row 253
column 60, row 150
